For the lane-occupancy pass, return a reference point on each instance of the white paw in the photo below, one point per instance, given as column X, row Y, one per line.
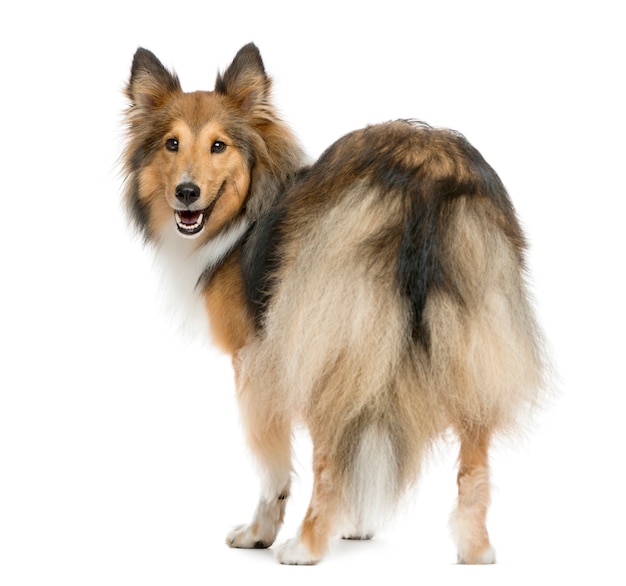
column 356, row 532
column 245, row 537
column 358, row 536
column 487, row 556
column 294, row 552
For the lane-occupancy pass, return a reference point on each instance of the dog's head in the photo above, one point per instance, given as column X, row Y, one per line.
column 200, row 160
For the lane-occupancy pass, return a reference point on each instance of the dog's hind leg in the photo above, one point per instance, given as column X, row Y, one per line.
column 468, row 521
column 311, row 541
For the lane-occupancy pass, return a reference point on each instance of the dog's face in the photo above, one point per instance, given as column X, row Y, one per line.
column 198, row 176
column 204, row 175
column 190, row 154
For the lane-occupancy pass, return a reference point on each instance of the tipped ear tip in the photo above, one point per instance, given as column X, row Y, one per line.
column 251, row 47
column 143, row 59
column 252, row 54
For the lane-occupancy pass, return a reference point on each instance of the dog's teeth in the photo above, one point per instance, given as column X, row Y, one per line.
column 187, row 229
column 183, row 224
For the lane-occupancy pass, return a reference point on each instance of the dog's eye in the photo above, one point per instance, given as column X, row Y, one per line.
column 171, row 144
column 218, row 147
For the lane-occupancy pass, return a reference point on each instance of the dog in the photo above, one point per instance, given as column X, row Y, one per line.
column 377, row 296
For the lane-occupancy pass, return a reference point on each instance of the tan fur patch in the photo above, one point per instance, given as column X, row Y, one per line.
column 226, row 304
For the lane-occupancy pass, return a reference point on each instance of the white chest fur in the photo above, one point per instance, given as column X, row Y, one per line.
column 181, row 263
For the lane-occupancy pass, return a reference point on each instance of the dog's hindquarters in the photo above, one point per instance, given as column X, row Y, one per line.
column 336, row 352
column 396, row 308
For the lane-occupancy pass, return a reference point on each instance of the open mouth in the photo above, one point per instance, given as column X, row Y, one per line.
column 190, row 223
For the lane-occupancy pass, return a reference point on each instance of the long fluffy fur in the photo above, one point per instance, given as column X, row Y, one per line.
column 378, row 296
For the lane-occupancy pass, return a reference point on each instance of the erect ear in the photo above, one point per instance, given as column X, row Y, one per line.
column 150, row 84
column 246, row 83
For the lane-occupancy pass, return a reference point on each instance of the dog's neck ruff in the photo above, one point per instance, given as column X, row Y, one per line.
column 185, row 267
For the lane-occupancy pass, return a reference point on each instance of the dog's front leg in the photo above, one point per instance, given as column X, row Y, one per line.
column 269, row 438
column 262, row 531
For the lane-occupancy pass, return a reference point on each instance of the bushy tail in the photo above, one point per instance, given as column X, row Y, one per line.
column 370, row 486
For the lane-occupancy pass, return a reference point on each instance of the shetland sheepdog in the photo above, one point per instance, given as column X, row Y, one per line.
column 376, row 296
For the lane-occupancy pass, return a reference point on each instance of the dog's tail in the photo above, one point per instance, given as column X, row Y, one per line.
column 387, row 443
column 369, row 485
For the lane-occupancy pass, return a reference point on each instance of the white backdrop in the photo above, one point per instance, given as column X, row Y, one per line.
column 121, row 458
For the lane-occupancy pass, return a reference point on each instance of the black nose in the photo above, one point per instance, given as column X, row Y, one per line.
column 187, row 193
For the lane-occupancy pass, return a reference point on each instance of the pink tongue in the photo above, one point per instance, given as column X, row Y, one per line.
column 189, row 218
